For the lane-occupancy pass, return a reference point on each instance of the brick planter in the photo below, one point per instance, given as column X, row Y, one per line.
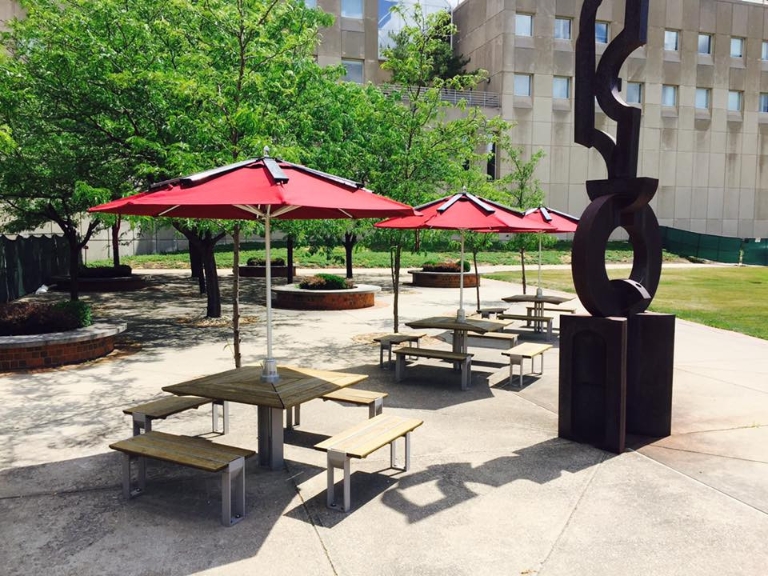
column 443, row 279
column 57, row 348
column 294, row 298
column 115, row 284
column 261, row 271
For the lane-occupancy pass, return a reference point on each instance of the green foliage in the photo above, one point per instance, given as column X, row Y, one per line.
column 77, row 309
column 445, row 266
column 325, row 282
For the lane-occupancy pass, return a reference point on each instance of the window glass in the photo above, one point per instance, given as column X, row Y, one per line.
column 354, row 70
column 764, row 53
column 668, row 95
column 310, row 3
column 734, row 101
column 561, row 87
column 702, row 98
column 522, row 84
column 737, row 47
column 634, row 93
column 523, row 24
column 563, row 28
column 705, row 43
column 352, row 9
column 601, row 32
column 764, row 102
column 671, row 40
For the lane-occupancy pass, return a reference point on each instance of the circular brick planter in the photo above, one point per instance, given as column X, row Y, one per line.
column 261, row 271
column 57, row 348
column 294, row 298
column 443, row 279
column 115, row 284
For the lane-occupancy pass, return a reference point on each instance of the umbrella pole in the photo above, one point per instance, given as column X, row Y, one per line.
column 460, row 315
column 269, row 369
column 538, row 290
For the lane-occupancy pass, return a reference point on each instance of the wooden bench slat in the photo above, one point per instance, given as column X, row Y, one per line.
column 194, row 452
column 164, row 407
column 525, row 317
column 354, row 396
column 432, row 353
column 527, row 350
column 367, row 437
column 399, row 338
column 562, row 309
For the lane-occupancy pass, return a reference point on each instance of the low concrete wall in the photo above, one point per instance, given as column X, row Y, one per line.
column 57, row 348
column 295, row 298
column 116, row 284
column 443, row 279
column 261, row 271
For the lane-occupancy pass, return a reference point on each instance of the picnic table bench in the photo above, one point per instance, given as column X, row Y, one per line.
column 374, row 401
column 160, row 409
column 531, row 319
column 462, row 359
column 492, row 310
column 197, row 453
column 522, row 352
column 503, row 340
column 360, row 441
column 386, row 343
column 531, row 310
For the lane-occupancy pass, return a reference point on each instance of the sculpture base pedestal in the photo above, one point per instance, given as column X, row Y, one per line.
column 615, row 378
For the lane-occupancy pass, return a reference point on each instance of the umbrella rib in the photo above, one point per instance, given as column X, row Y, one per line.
column 171, row 209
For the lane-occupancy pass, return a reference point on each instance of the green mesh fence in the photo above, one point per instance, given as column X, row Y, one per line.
column 705, row 246
column 755, row 251
column 27, row 263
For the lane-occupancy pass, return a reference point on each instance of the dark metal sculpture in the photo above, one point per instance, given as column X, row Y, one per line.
column 615, row 376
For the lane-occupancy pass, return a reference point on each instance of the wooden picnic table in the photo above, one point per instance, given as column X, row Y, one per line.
column 538, row 300
column 460, row 328
column 244, row 385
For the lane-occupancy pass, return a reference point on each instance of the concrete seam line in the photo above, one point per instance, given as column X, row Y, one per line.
column 710, row 454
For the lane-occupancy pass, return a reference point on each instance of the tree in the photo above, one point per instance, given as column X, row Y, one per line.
column 525, row 192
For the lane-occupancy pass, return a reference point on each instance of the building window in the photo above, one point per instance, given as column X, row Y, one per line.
column 764, row 53
column 563, row 28
column 734, row 100
column 352, row 9
column 705, row 43
column 671, row 40
column 763, row 102
column 601, row 32
column 524, row 24
column 634, row 93
column 354, row 70
column 561, row 87
column 310, row 3
column 668, row 95
column 737, row 47
column 523, row 84
column 702, row 98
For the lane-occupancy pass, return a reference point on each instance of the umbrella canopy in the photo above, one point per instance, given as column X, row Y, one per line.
column 258, row 189
column 559, row 221
column 464, row 211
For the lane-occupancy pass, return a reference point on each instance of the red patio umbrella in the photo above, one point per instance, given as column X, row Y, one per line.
column 462, row 212
column 559, row 221
column 258, row 189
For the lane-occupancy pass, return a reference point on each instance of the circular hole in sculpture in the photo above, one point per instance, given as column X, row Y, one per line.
column 619, row 256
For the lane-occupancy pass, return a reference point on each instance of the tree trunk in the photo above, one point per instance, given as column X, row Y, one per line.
column 236, row 294
column 394, row 262
column 350, row 239
column 289, row 259
column 74, row 268
column 209, row 265
column 196, row 264
column 116, row 243
column 522, row 264
column 477, row 279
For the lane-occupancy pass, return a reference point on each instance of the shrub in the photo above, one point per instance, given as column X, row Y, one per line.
column 446, row 266
column 25, row 318
column 105, row 271
column 325, row 282
column 263, row 262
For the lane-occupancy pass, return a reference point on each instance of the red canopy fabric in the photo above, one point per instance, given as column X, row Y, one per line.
column 253, row 189
column 560, row 221
column 464, row 211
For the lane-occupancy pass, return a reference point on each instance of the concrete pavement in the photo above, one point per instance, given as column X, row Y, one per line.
column 492, row 490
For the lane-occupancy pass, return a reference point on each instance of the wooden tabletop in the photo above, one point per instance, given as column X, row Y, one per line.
column 451, row 323
column 534, row 298
column 244, row 385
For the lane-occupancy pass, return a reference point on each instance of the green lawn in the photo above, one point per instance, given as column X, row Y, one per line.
column 728, row 297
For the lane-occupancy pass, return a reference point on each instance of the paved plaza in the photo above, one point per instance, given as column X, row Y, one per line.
column 492, row 489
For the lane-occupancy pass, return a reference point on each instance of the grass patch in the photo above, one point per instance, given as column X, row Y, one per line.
column 728, row 297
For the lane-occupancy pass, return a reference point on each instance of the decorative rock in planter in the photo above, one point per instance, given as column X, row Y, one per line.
column 57, row 348
column 443, row 279
column 261, row 271
column 294, row 298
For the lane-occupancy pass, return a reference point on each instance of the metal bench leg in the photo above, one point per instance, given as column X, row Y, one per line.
column 393, row 453
column 224, row 417
column 337, row 459
column 141, row 422
column 399, row 367
column 515, row 360
column 293, row 416
column 233, row 492
column 376, row 408
column 141, row 475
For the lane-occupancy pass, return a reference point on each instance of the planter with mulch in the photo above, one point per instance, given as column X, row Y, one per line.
column 443, row 279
